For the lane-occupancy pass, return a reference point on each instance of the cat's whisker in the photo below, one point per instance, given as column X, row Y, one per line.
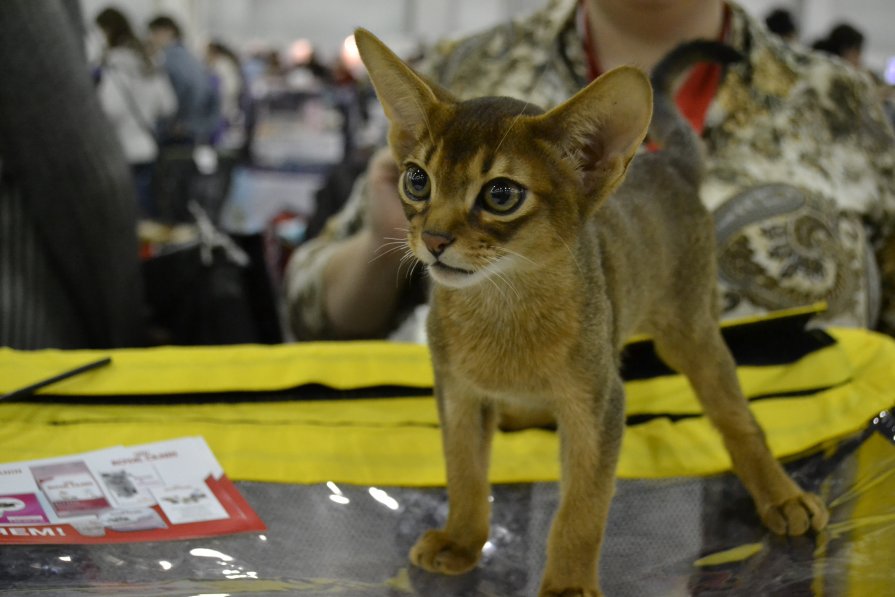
column 496, row 287
column 380, row 253
column 398, row 271
column 490, row 274
column 520, row 255
column 408, row 254
column 571, row 254
column 393, row 239
column 492, row 271
column 509, row 284
column 512, row 124
column 393, row 243
column 406, row 258
column 412, row 268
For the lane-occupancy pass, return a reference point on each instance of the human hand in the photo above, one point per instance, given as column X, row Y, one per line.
column 386, row 216
column 362, row 281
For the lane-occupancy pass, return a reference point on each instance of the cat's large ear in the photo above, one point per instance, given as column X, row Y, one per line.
column 408, row 100
column 601, row 127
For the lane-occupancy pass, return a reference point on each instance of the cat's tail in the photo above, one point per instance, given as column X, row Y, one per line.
column 668, row 127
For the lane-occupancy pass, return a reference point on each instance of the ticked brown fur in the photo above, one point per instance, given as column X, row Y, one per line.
column 530, row 306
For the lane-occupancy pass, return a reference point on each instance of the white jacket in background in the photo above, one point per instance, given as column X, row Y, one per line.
column 134, row 100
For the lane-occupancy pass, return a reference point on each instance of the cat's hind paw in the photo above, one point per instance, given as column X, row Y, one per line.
column 796, row 515
column 435, row 551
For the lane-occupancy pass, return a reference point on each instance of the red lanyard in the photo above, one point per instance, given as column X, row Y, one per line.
column 697, row 92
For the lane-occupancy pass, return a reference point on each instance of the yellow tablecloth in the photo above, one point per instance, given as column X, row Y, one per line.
column 395, row 441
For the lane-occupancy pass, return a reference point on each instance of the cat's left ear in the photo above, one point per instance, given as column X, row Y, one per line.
column 408, row 100
column 603, row 125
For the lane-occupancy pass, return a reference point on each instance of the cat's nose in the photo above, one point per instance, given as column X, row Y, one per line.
column 437, row 242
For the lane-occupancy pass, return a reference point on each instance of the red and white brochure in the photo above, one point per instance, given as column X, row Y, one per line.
column 153, row 492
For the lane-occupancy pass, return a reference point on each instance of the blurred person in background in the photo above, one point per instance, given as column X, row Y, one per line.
column 349, row 101
column 234, row 130
column 136, row 96
column 780, row 22
column 847, row 42
column 185, row 138
column 69, row 273
column 198, row 105
column 844, row 41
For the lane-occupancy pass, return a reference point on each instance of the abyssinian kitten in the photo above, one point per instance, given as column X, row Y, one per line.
column 548, row 243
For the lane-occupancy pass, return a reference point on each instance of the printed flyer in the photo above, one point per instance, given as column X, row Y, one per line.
column 153, row 492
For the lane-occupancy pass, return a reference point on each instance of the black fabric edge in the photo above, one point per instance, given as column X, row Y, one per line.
column 749, row 343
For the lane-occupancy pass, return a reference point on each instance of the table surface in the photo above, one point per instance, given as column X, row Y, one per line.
column 356, row 543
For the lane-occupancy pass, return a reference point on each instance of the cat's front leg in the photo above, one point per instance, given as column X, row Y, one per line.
column 467, row 426
column 590, row 433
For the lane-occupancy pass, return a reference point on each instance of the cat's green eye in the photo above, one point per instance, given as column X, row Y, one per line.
column 417, row 184
column 502, row 196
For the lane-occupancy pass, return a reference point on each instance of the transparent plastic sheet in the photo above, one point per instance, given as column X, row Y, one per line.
column 665, row 538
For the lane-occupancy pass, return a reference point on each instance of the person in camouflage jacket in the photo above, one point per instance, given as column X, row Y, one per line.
column 799, row 174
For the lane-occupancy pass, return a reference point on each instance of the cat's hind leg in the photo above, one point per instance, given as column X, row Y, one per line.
column 697, row 350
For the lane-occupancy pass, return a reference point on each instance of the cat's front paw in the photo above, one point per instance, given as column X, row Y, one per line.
column 796, row 515
column 435, row 551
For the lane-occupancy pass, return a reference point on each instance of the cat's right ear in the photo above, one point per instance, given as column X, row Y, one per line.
column 405, row 96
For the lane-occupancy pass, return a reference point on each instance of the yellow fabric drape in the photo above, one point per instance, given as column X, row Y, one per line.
column 396, row 441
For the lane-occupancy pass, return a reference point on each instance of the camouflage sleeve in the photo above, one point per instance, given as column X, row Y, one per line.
column 303, row 279
column 884, row 151
column 435, row 61
column 882, row 222
column 444, row 62
column 877, row 136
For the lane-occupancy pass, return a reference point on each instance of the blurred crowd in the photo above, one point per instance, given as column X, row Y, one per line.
column 107, row 123
column 179, row 115
column 166, row 135
column 187, row 123
column 844, row 41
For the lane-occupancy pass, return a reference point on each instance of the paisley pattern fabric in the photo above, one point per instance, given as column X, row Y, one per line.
column 799, row 171
column 780, row 246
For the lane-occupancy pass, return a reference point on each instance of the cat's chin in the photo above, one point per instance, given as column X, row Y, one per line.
column 453, row 277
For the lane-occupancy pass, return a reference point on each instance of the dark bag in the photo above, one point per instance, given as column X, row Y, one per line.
column 172, row 182
column 211, row 292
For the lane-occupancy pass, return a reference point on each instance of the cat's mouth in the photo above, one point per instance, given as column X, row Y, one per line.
column 442, row 267
column 453, row 277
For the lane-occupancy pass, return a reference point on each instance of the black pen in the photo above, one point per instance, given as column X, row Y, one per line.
column 29, row 390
